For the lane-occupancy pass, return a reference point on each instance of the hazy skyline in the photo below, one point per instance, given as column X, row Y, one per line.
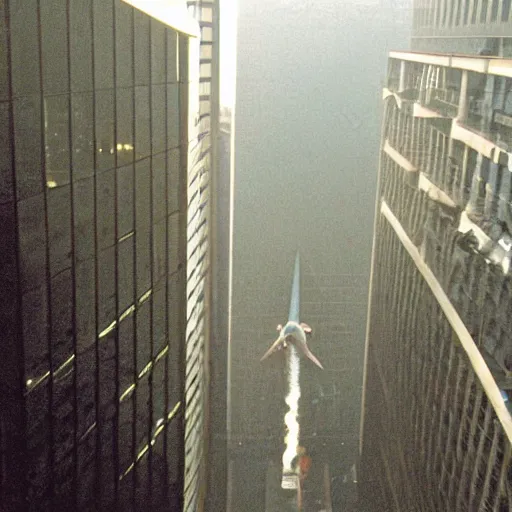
column 308, row 110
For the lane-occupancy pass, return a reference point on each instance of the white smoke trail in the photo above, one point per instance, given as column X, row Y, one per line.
column 291, row 417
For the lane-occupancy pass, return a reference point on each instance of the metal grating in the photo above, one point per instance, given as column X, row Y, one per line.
column 93, row 256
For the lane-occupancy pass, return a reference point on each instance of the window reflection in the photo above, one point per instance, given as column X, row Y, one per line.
column 158, row 125
column 56, row 135
column 82, row 135
column 124, row 126
column 27, row 144
column 6, row 189
column 142, row 128
column 54, row 49
column 104, row 113
column 141, row 38
column 80, row 39
column 125, row 200
column 59, row 228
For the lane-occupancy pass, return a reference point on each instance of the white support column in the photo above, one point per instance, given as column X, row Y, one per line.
column 428, row 89
column 452, row 7
column 489, row 10
column 431, row 12
column 462, row 113
column 401, row 83
column 471, row 9
column 463, row 10
column 442, row 17
column 487, row 106
column 458, row 12
column 500, row 10
column 462, row 190
column 423, row 83
column 434, row 14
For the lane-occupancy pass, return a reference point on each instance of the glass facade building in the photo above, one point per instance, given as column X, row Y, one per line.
column 104, row 201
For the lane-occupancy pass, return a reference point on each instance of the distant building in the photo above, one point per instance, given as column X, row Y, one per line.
column 436, row 432
column 209, row 263
column 106, row 269
column 463, row 26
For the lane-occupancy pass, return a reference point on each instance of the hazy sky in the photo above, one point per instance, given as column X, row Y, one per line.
column 308, row 109
column 310, row 76
column 228, row 27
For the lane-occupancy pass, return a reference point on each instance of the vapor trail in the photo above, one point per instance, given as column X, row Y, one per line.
column 291, row 417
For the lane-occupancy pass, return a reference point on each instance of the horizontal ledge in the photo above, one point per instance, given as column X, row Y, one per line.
column 434, row 192
column 475, row 357
column 386, row 93
column 424, row 112
column 479, row 143
column 478, row 64
column 169, row 12
column 398, row 158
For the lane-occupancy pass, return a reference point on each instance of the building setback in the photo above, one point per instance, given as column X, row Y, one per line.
column 436, row 428
column 105, row 256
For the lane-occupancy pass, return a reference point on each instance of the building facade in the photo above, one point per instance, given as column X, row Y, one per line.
column 463, row 26
column 105, row 256
column 436, row 428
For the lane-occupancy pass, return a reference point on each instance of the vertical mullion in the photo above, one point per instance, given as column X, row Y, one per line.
column 489, row 11
column 443, row 16
column 97, row 481
column 134, row 262
column 151, row 273
column 435, row 16
column 115, row 441
column 463, row 17
column 431, row 13
column 470, row 8
column 454, row 10
column 73, row 264
column 166, row 321
column 21, row 439
column 47, row 254
column 183, row 84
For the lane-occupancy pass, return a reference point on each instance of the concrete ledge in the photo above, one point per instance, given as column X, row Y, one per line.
column 173, row 13
column 386, row 93
column 420, row 110
column 434, row 192
column 479, row 143
column 477, row 64
column 405, row 164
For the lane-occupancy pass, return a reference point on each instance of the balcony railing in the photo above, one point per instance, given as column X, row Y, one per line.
column 474, row 90
column 459, row 140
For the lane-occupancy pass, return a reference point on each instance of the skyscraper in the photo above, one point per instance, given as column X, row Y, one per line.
column 105, row 264
column 436, row 429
